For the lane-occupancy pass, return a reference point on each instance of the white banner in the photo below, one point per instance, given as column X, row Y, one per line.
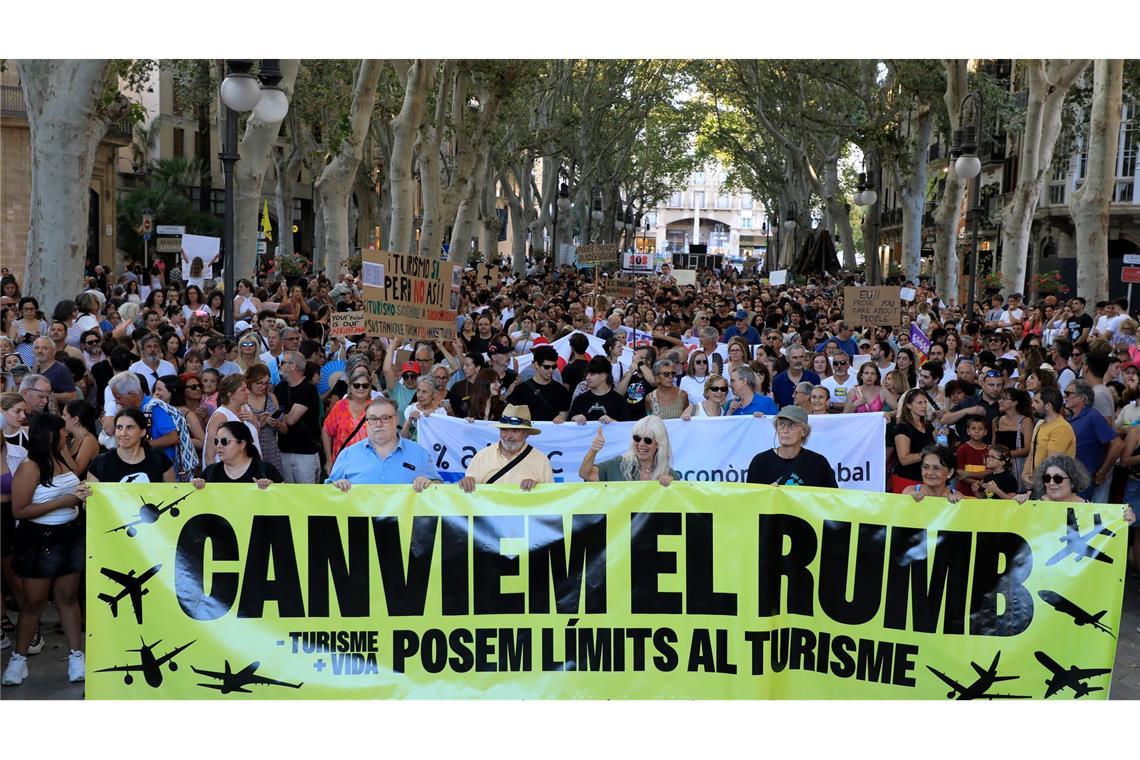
column 562, row 346
column 199, row 247
column 716, row 449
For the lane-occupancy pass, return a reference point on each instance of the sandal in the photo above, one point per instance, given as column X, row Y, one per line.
column 7, row 625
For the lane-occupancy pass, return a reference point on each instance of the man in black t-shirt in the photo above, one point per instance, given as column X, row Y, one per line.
column 600, row 402
column 575, row 370
column 548, row 401
column 1079, row 324
column 300, row 444
column 790, row 464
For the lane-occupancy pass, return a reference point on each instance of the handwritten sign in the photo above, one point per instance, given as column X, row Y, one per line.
column 872, row 306
column 618, row 288
column 418, row 297
column 346, row 323
column 597, row 254
column 486, row 274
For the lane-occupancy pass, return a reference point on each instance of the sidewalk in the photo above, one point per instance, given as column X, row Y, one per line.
column 48, row 679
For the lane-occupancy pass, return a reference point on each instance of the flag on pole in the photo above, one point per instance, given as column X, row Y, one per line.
column 266, row 227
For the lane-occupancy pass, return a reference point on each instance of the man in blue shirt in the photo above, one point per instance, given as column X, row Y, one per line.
column 748, row 399
column 127, row 393
column 843, row 339
column 742, row 328
column 383, row 457
column 1098, row 445
column 784, row 384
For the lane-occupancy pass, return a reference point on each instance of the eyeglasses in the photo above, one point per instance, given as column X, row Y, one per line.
column 700, row 361
column 222, row 441
column 441, row 378
column 383, row 419
column 1054, row 479
column 362, row 386
column 647, row 440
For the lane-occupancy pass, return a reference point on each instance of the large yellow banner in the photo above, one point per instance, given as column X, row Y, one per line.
column 596, row 591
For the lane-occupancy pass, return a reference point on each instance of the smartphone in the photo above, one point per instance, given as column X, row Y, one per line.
column 278, row 414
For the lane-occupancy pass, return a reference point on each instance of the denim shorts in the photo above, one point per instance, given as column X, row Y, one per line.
column 48, row 551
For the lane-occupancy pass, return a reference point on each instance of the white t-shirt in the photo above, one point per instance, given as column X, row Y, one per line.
column 1010, row 315
column 164, row 368
column 1107, row 326
column 839, row 390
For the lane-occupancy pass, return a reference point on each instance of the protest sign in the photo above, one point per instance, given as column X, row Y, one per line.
column 594, row 591
column 345, row 323
column 685, row 276
column 778, row 277
column 597, row 254
column 717, row 449
column 199, row 247
column 871, row 306
column 418, row 297
column 618, row 288
column 637, row 262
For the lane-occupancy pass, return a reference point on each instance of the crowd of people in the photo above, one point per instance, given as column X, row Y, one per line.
column 134, row 380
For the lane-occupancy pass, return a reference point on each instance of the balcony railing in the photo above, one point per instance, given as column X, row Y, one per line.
column 12, row 106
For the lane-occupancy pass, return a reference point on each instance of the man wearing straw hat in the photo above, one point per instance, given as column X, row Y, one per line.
column 512, row 460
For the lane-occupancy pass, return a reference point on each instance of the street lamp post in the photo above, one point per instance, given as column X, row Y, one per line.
column 790, row 227
column 866, row 197
column 562, row 203
column 596, row 214
column 241, row 91
column 968, row 166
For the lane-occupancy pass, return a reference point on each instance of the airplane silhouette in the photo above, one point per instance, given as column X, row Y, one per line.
column 231, row 681
column 148, row 513
column 1073, row 678
column 1079, row 616
column 978, row 689
column 132, row 586
column 1078, row 544
column 149, row 665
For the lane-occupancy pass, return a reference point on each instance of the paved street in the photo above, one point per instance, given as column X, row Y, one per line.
column 49, row 668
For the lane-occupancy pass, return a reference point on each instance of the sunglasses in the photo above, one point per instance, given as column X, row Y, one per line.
column 361, row 386
column 1055, row 479
column 222, row 441
column 840, row 364
column 718, row 389
column 90, row 342
column 409, row 375
column 547, row 366
column 247, row 344
column 194, row 387
column 700, row 361
column 647, row 440
column 992, row 373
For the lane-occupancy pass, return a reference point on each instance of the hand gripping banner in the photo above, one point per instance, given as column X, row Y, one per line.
column 715, row 450
column 596, row 591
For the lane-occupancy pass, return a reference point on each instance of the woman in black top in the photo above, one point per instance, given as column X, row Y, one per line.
column 912, row 435
column 240, row 462
column 133, row 461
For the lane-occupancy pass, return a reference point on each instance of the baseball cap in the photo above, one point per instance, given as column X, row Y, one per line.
column 793, row 413
column 742, row 314
column 410, row 367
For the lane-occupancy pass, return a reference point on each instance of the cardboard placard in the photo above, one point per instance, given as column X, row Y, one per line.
column 778, row 277
column 418, row 298
column 345, row 323
column 597, row 254
column 871, row 306
column 623, row 289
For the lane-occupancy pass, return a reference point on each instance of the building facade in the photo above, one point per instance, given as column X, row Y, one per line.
column 705, row 212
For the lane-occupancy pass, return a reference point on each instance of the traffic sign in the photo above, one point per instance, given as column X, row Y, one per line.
column 1132, row 258
column 1130, row 274
column 169, row 244
column 147, row 227
column 171, row 229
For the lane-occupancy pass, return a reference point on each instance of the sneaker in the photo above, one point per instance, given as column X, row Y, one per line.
column 76, row 666
column 4, row 641
column 37, row 644
column 16, row 671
